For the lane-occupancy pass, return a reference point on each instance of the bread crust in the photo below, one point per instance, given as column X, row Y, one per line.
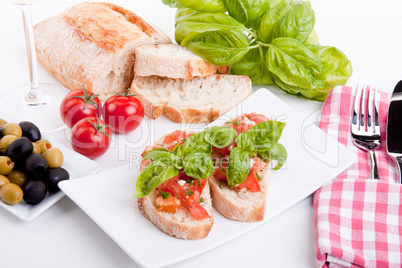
column 191, row 229
column 92, row 44
column 232, row 206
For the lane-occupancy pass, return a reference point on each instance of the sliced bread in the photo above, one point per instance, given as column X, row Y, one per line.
column 240, row 205
column 180, row 224
column 92, row 44
column 201, row 99
column 170, row 60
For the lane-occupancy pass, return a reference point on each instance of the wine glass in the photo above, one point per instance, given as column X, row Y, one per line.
column 36, row 102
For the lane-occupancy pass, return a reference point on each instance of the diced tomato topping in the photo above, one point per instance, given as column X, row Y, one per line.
column 251, row 183
column 257, row 118
column 220, row 173
column 198, row 212
column 172, row 140
column 169, row 205
column 189, row 194
column 258, row 164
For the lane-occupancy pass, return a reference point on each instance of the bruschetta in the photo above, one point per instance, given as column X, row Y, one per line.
column 243, row 169
column 172, row 188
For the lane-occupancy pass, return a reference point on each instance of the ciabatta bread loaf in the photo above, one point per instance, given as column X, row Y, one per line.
column 201, row 99
column 170, row 60
column 92, row 44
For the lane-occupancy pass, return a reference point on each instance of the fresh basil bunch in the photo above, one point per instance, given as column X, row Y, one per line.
column 261, row 139
column 271, row 41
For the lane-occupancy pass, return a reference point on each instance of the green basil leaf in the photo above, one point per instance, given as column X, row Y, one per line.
column 204, row 5
column 265, row 135
column 311, row 94
column 296, row 23
column 278, row 153
column 152, row 176
column 222, row 47
column 336, row 67
column 171, row 3
column 247, row 12
column 198, row 165
column 270, row 19
column 313, row 38
column 194, row 143
column 238, row 167
column 189, row 23
column 165, row 156
column 294, row 64
column 220, row 137
column 245, row 143
column 253, row 65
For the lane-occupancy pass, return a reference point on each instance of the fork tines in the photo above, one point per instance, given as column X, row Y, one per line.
column 362, row 123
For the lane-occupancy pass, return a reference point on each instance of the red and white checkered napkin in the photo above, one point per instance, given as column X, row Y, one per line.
column 358, row 220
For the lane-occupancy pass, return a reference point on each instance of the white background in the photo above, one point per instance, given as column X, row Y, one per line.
column 369, row 32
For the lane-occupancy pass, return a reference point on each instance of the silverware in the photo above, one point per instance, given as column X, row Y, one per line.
column 365, row 129
column 394, row 128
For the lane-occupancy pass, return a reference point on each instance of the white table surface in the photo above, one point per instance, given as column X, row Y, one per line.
column 369, row 32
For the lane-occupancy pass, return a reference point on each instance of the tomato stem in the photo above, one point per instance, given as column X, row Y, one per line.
column 99, row 127
column 88, row 99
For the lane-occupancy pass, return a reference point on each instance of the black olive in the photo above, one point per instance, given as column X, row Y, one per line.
column 19, row 149
column 34, row 192
column 1, row 132
column 30, row 130
column 54, row 176
column 35, row 166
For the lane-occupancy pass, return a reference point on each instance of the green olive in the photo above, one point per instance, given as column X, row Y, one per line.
column 17, row 177
column 44, row 145
column 54, row 158
column 3, row 180
column 6, row 165
column 36, row 148
column 5, row 141
column 12, row 129
column 11, row 193
column 2, row 122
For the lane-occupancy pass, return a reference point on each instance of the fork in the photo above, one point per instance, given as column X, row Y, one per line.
column 365, row 129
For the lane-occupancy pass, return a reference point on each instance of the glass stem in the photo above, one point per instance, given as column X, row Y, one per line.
column 35, row 95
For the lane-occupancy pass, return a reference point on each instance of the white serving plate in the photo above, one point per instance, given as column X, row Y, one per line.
column 313, row 159
column 77, row 166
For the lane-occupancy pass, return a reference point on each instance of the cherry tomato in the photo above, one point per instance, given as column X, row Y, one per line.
column 91, row 137
column 123, row 113
column 79, row 104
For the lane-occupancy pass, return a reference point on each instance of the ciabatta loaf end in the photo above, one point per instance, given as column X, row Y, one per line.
column 170, row 60
column 92, row 44
column 201, row 99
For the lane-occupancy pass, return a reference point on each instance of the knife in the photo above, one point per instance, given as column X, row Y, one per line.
column 394, row 128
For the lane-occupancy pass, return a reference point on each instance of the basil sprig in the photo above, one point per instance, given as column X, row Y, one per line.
column 261, row 139
column 271, row 41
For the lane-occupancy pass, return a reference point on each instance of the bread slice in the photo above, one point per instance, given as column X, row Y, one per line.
column 170, row 60
column 201, row 99
column 92, row 44
column 240, row 206
column 180, row 224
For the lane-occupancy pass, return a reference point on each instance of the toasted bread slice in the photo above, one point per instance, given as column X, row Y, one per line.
column 243, row 205
column 180, row 224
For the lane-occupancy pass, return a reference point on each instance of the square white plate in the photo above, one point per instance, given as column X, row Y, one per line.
column 77, row 166
column 313, row 159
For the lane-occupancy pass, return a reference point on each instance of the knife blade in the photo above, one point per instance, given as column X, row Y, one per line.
column 394, row 129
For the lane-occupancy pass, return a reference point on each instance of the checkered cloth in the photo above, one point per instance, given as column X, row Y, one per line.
column 358, row 221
